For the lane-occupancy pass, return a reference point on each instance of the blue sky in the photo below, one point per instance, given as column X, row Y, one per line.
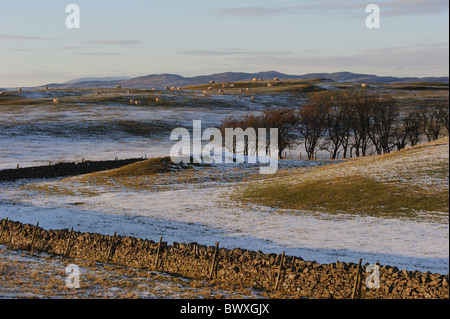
column 137, row 37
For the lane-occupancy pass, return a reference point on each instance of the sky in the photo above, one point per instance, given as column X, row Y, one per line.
column 202, row 37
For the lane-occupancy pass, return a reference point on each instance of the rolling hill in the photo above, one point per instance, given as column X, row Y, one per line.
column 162, row 80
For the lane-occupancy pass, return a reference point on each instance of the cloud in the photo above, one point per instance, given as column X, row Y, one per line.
column 120, row 42
column 99, row 53
column 348, row 8
column 230, row 52
column 420, row 58
column 22, row 37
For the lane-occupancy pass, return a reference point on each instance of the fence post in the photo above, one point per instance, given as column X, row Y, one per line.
column 279, row 272
column 157, row 253
column 111, row 247
column 34, row 235
column 356, row 294
column 68, row 243
column 214, row 261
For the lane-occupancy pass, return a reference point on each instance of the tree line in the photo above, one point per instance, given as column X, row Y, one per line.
column 352, row 122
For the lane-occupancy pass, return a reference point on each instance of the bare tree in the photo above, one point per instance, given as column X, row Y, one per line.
column 313, row 117
column 383, row 114
column 432, row 123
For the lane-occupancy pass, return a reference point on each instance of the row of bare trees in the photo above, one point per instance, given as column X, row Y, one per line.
column 354, row 122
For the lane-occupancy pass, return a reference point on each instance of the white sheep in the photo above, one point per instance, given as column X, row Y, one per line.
column 158, row 100
column 136, row 102
column 212, row 82
column 55, row 100
column 131, row 101
column 363, row 85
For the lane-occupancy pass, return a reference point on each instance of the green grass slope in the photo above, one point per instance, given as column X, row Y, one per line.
column 412, row 183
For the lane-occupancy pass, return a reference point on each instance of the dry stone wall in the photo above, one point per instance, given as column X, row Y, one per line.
column 63, row 169
column 240, row 267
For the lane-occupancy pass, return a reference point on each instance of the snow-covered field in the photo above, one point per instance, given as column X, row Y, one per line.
column 202, row 211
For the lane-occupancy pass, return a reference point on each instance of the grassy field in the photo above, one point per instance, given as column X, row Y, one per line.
column 412, row 183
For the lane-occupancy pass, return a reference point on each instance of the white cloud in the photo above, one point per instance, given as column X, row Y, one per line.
column 22, row 37
column 349, row 8
column 115, row 42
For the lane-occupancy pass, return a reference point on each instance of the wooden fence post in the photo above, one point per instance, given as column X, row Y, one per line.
column 34, row 235
column 68, row 243
column 356, row 294
column 279, row 272
column 157, row 253
column 111, row 247
column 214, row 261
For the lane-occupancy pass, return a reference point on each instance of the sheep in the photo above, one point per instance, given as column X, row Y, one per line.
column 153, row 89
column 158, row 100
column 212, row 82
column 118, row 86
column 128, row 92
column 178, row 88
column 276, row 79
column 136, row 102
column 231, row 85
column 269, row 85
column 254, row 80
column 131, row 101
column 1, row 92
column 19, row 89
column 166, row 88
column 55, row 100
column 210, row 88
column 205, row 93
column 172, row 88
column 363, row 85
column 220, row 91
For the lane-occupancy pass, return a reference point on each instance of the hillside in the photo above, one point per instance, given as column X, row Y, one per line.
column 413, row 183
column 162, row 80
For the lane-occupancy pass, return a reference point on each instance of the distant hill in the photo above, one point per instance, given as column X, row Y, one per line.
column 163, row 80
